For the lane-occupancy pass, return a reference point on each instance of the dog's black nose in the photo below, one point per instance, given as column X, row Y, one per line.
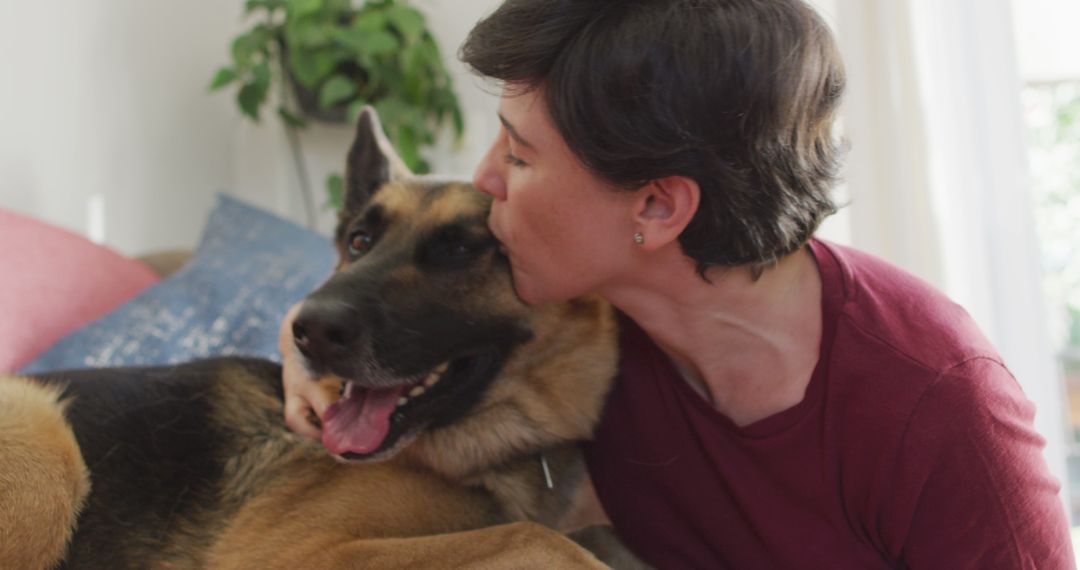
column 324, row 331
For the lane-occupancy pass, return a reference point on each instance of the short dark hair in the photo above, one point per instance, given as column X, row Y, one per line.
column 739, row 95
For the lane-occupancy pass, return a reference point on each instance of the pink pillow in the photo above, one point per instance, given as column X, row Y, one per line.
column 52, row 282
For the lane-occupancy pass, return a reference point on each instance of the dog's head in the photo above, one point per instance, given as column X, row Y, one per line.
column 421, row 321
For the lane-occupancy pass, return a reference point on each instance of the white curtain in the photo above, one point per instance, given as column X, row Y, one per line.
column 938, row 177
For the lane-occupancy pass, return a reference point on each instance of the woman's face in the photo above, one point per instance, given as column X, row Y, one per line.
column 565, row 231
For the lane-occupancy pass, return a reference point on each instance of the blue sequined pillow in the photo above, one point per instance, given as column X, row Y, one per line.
column 249, row 268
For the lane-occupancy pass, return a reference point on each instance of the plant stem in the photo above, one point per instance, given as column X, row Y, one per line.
column 294, row 147
column 302, row 175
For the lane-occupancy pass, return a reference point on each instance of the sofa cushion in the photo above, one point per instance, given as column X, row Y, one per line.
column 250, row 266
column 53, row 281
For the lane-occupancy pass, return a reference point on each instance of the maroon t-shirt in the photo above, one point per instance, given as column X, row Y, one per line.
column 913, row 447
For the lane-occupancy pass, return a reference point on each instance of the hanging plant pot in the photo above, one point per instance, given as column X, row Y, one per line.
column 334, row 57
column 307, row 101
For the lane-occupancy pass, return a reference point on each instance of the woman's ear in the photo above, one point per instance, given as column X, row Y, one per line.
column 664, row 208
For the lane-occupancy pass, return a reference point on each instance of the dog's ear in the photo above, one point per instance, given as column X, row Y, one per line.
column 371, row 163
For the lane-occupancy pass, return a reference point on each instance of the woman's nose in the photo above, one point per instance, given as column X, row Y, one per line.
column 488, row 178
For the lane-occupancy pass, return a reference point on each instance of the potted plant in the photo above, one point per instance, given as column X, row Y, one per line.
column 329, row 58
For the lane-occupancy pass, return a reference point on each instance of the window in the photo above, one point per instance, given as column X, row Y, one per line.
column 1052, row 114
column 1051, row 98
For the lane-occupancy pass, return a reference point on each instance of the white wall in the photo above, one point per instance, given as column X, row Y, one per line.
column 104, row 108
column 106, row 102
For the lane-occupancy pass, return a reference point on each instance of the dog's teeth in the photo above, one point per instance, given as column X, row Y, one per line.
column 435, row 374
column 416, row 391
column 402, row 401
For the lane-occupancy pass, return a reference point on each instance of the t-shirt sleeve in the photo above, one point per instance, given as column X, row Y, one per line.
column 972, row 489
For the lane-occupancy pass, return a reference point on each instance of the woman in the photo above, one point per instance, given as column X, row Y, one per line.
column 783, row 402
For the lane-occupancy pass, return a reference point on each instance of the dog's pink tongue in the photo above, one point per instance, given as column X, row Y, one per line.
column 359, row 421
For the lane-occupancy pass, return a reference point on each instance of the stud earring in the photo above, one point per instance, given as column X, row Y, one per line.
column 639, row 238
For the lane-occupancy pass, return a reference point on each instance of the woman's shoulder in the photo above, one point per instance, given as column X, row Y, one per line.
column 902, row 350
column 887, row 314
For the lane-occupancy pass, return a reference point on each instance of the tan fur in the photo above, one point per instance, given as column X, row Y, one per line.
column 421, row 508
column 286, row 504
column 467, row 494
column 549, row 397
column 43, row 481
column 450, row 204
column 397, row 199
column 348, row 516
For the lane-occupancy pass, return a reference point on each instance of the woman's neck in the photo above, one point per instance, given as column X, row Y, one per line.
column 748, row 346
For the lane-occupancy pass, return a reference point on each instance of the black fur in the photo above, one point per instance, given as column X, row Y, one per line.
column 154, row 454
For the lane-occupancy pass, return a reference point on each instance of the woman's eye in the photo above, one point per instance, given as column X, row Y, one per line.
column 360, row 242
column 513, row 160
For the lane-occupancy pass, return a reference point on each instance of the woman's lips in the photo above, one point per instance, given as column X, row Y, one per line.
column 495, row 232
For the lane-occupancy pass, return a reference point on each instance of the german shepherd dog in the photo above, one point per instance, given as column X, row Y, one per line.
column 453, row 444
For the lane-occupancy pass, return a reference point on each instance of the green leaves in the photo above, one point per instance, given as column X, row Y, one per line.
column 299, row 8
column 336, row 89
column 369, row 43
column 335, row 192
column 247, row 47
column 369, row 20
column 408, row 21
column 223, row 77
column 253, row 93
column 311, row 67
column 407, row 126
column 343, row 54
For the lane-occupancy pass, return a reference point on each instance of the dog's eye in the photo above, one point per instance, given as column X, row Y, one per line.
column 360, row 242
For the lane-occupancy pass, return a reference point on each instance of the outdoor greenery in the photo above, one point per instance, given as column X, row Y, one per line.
column 1053, row 116
column 330, row 58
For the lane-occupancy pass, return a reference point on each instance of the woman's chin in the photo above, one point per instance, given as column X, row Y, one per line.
column 528, row 290
column 532, row 292
column 527, row 295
